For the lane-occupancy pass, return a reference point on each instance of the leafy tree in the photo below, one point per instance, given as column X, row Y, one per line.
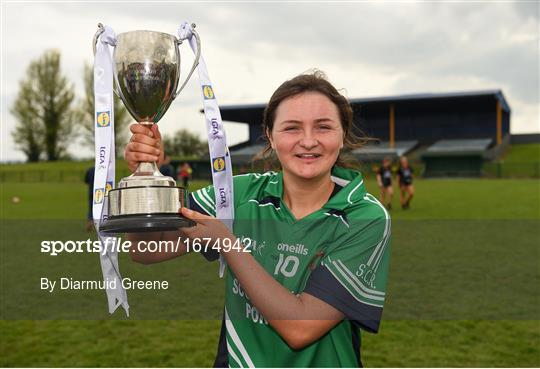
column 185, row 144
column 85, row 114
column 28, row 133
column 43, row 109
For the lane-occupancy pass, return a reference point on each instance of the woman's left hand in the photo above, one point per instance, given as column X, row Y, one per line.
column 206, row 227
column 289, row 314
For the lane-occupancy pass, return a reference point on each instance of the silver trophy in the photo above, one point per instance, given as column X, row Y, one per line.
column 146, row 72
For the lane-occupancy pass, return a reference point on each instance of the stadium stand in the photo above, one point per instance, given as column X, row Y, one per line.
column 415, row 124
column 456, row 157
column 244, row 155
column 377, row 152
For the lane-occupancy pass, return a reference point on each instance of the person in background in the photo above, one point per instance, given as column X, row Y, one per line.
column 166, row 168
column 405, row 176
column 384, row 181
column 89, row 180
column 185, row 174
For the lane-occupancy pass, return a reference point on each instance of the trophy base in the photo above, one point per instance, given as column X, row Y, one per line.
column 146, row 201
column 139, row 223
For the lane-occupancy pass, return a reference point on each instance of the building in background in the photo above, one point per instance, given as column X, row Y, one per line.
column 452, row 133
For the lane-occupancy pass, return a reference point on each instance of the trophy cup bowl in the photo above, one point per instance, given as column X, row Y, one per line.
column 146, row 73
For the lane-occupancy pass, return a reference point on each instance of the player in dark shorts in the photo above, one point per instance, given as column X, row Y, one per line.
column 405, row 176
column 384, row 180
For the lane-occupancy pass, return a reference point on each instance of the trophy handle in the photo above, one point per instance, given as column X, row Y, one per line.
column 99, row 31
column 195, row 62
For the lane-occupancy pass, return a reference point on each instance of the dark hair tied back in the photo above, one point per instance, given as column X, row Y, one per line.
column 314, row 81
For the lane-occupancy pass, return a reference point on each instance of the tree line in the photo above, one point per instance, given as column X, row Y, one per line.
column 50, row 117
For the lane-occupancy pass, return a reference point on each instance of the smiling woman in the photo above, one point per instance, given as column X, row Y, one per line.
column 300, row 296
column 331, row 110
column 307, row 145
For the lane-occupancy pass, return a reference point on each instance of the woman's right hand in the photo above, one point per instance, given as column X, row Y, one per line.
column 144, row 145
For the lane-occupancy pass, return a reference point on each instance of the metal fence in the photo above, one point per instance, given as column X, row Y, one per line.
column 512, row 170
column 48, row 175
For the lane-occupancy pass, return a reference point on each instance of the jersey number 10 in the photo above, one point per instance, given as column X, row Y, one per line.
column 287, row 265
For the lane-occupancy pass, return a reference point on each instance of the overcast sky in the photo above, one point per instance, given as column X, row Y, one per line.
column 368, row 49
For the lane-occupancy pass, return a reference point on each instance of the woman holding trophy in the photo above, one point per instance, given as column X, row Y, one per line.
column 317, row 243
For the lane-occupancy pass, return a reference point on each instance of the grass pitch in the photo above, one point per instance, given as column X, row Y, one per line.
column 463, row 288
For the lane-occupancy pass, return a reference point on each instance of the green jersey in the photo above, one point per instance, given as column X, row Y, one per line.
column 339, row 254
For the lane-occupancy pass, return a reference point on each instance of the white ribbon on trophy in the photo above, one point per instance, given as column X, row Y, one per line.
column 104, row 166
column 220, row 158
column 104, row 179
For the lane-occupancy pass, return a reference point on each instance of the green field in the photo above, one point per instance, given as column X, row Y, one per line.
column 463, row 289
column 518, row 161
column 522, row 153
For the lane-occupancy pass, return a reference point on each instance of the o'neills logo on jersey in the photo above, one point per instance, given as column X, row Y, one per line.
column 297, row 249
column 222, row 197
column 216, row 135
